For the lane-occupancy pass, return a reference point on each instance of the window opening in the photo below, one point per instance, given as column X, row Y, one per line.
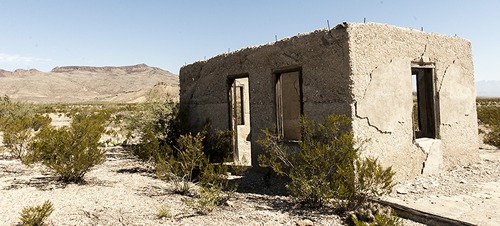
column 424, row 103
column 289, row 104
column 238, row 111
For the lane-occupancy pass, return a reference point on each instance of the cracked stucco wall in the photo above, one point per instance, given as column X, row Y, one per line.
column 322, row 56
column 359, row 69
column 381, row 57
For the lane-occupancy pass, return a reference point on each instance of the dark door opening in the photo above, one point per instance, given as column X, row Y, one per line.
column 424, row 103
column 289, row 104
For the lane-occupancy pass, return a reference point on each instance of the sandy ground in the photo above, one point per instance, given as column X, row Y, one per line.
column 123, row 191
column 470, row 193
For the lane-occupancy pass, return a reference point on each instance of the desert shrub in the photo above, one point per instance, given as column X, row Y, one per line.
column 374, row 214
column 157, row 125
column 217, row 143
column 213, row 181
column 493, row 137
column 17, row 135
column 19, row 123
column 148, row 148
column 10, row 109
column 164, row 212
column 70, row 151
column 19, row 131
column 184, row 167
column 209, row 198
column 326, row 164
column 36, row 215
column 191, row 165
column 490, row 116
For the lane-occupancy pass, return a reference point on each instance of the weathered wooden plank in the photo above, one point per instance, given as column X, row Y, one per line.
column 421, row 216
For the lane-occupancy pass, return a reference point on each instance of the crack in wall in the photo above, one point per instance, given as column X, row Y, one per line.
column 291, row 57
column 423, row 53
column 371, row 78
column 444, row 75
column 368, row 120
column 369, row 82
column 424, row 152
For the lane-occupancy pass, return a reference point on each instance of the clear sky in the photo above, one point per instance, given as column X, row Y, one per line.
column 168, row 34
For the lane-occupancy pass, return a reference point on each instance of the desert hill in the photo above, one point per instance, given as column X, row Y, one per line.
column 71, row 84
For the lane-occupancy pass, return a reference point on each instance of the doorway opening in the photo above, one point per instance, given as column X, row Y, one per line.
column 424, row 103
column 239, row 119
column 289, row 104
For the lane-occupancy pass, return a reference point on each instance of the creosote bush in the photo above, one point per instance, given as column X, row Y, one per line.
column 157, row 125
column 36, row 215
column 217, row 143
column 70, row 151
column 369, row 213
column 19, row 131
column 185, row 167
column 326, row 165
column 19, row 122
column 180, row 157
column 490, row 116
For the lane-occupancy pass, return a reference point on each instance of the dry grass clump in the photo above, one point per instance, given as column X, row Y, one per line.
column 36, row 215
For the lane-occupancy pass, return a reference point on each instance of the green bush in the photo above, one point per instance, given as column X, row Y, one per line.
column 493, row 137
column 19, row 131
column 217, row 143
column 19, row 123
column 10, row 110
column 209, row 199
column 191, row 165
column 490, row 116
column 184, row 167
column 70, row 152
column 36, row 215
column 326, row 164
column 374, row 214
column 158, row 126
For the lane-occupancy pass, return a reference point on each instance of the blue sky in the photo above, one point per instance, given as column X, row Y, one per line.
column 167, row 34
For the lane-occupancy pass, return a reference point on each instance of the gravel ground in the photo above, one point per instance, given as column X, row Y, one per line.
column 123, row 191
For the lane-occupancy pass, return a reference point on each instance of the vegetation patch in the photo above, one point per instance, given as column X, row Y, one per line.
column 326, row 166
column 488, row 113
column 70, row 152
column 36, row 215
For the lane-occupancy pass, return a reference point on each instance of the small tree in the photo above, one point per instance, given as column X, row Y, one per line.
column 70, row 152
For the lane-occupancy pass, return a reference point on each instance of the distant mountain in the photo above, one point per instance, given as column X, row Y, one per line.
column 488, row 88
column 72, row 84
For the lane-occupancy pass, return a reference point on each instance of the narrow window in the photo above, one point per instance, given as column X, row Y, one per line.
column 424, row 103
column 289, row 104
column 238, row 93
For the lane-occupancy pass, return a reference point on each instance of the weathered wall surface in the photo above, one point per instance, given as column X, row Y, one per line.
column 322, row 56
column 362, row 70
column 381, row 57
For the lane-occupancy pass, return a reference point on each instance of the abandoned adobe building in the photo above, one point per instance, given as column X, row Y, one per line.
column 372, row 72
